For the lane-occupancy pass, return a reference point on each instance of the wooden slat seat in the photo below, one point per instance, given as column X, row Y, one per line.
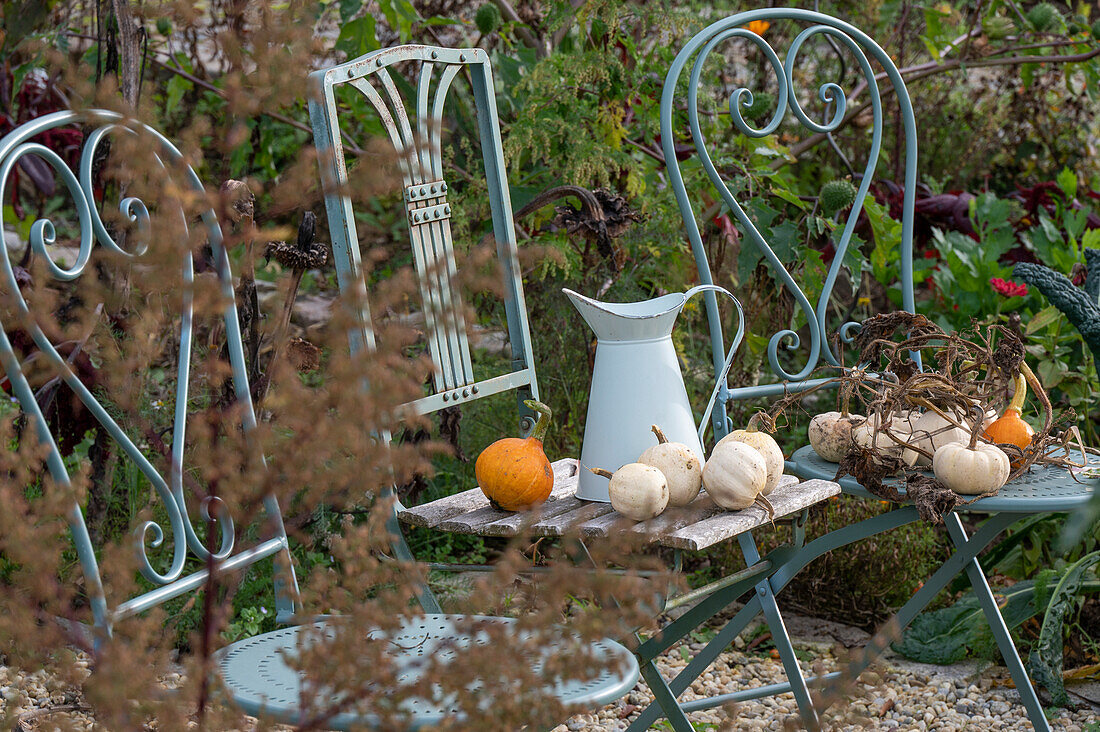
column 696, row 526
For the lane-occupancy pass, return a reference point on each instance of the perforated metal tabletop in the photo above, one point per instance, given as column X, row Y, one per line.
column 1044, row 489
column 261, row 682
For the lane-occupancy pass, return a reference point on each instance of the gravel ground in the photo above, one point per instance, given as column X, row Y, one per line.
column 892, row 695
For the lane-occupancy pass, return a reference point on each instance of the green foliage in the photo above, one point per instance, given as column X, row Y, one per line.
column 950, row 634
column 762, row 104
column 250, row 621
column 1045, row 661
column 1059, row 582
column 863, row 583
column 1044, row 17
column 997, row 27
column 968, row 268
column 487, row 19
column 836, row 195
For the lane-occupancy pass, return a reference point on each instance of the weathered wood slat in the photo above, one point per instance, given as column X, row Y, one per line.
column 720, row 527
column 612, row 523
column 562, row 523
column 513, row 523
column 701, row 508
column 449, row 507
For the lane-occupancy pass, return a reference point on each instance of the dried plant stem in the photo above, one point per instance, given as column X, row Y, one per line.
column 952, row 386
column 281, row 331
column 22, row 719
column 1040, row 394
column 246, row 294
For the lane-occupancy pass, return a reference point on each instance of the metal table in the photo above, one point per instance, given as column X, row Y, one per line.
column 1043, row 490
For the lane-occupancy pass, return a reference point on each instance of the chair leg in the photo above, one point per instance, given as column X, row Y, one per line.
column 782, row 640
column 786, row 653
column 401, row 551
column 664, row 699
column 762, row 601
column 1000, row 630
column 695, row 668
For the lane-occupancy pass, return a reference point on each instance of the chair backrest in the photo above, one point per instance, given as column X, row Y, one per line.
column 417, row 141
column 675, row 125
column 191, row 560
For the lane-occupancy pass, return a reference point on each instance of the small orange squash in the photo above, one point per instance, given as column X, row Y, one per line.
column 1010, row 428
column 514, row 472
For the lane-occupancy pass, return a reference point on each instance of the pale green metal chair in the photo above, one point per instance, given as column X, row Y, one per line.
column 416, row 139
column 169, row 487
column 256, row 673
column 1045, row 490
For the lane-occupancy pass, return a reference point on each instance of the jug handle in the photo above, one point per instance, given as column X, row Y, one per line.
column 737, row 338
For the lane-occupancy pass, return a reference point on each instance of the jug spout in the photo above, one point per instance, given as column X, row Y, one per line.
column 615, row 321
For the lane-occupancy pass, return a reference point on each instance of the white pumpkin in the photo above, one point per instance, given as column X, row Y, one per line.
column 830, row 434
column 928, row 436
column 971, row 471
column 638, row 491
column 768, row 448
column 681, row 467
column 734, row 475
column 868, row 434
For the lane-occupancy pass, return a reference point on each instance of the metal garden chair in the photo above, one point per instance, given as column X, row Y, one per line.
column 416, row 140
column 257, row 673
column 1045, row 490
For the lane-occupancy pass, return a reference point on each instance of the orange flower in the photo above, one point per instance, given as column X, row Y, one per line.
column 758, row 26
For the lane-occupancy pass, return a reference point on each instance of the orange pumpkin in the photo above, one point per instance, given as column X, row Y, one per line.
column 1010, row 428
column 514, row 472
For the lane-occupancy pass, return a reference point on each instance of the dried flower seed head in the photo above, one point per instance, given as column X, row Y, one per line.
column 242, row 202
column 292, row 257
column 303, row 355
column 306, row 252
column 1009, row 353
column 618, row 216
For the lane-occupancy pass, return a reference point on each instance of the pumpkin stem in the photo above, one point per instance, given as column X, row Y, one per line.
column 764, row 503
column 601, row 472
column 977, row 428
column 1018, row 395
column 1040, row 393
column 661, row 439
column 545, row 415
column 752, row 426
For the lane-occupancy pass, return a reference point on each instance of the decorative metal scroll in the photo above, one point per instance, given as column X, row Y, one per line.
column 170, row 490
column 416, row 138
column 861, row 47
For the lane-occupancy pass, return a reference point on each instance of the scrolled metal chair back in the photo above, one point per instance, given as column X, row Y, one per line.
column 845, row 38
column 169, row 485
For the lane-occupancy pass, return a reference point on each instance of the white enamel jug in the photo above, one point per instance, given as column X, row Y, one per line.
column 636, row 382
